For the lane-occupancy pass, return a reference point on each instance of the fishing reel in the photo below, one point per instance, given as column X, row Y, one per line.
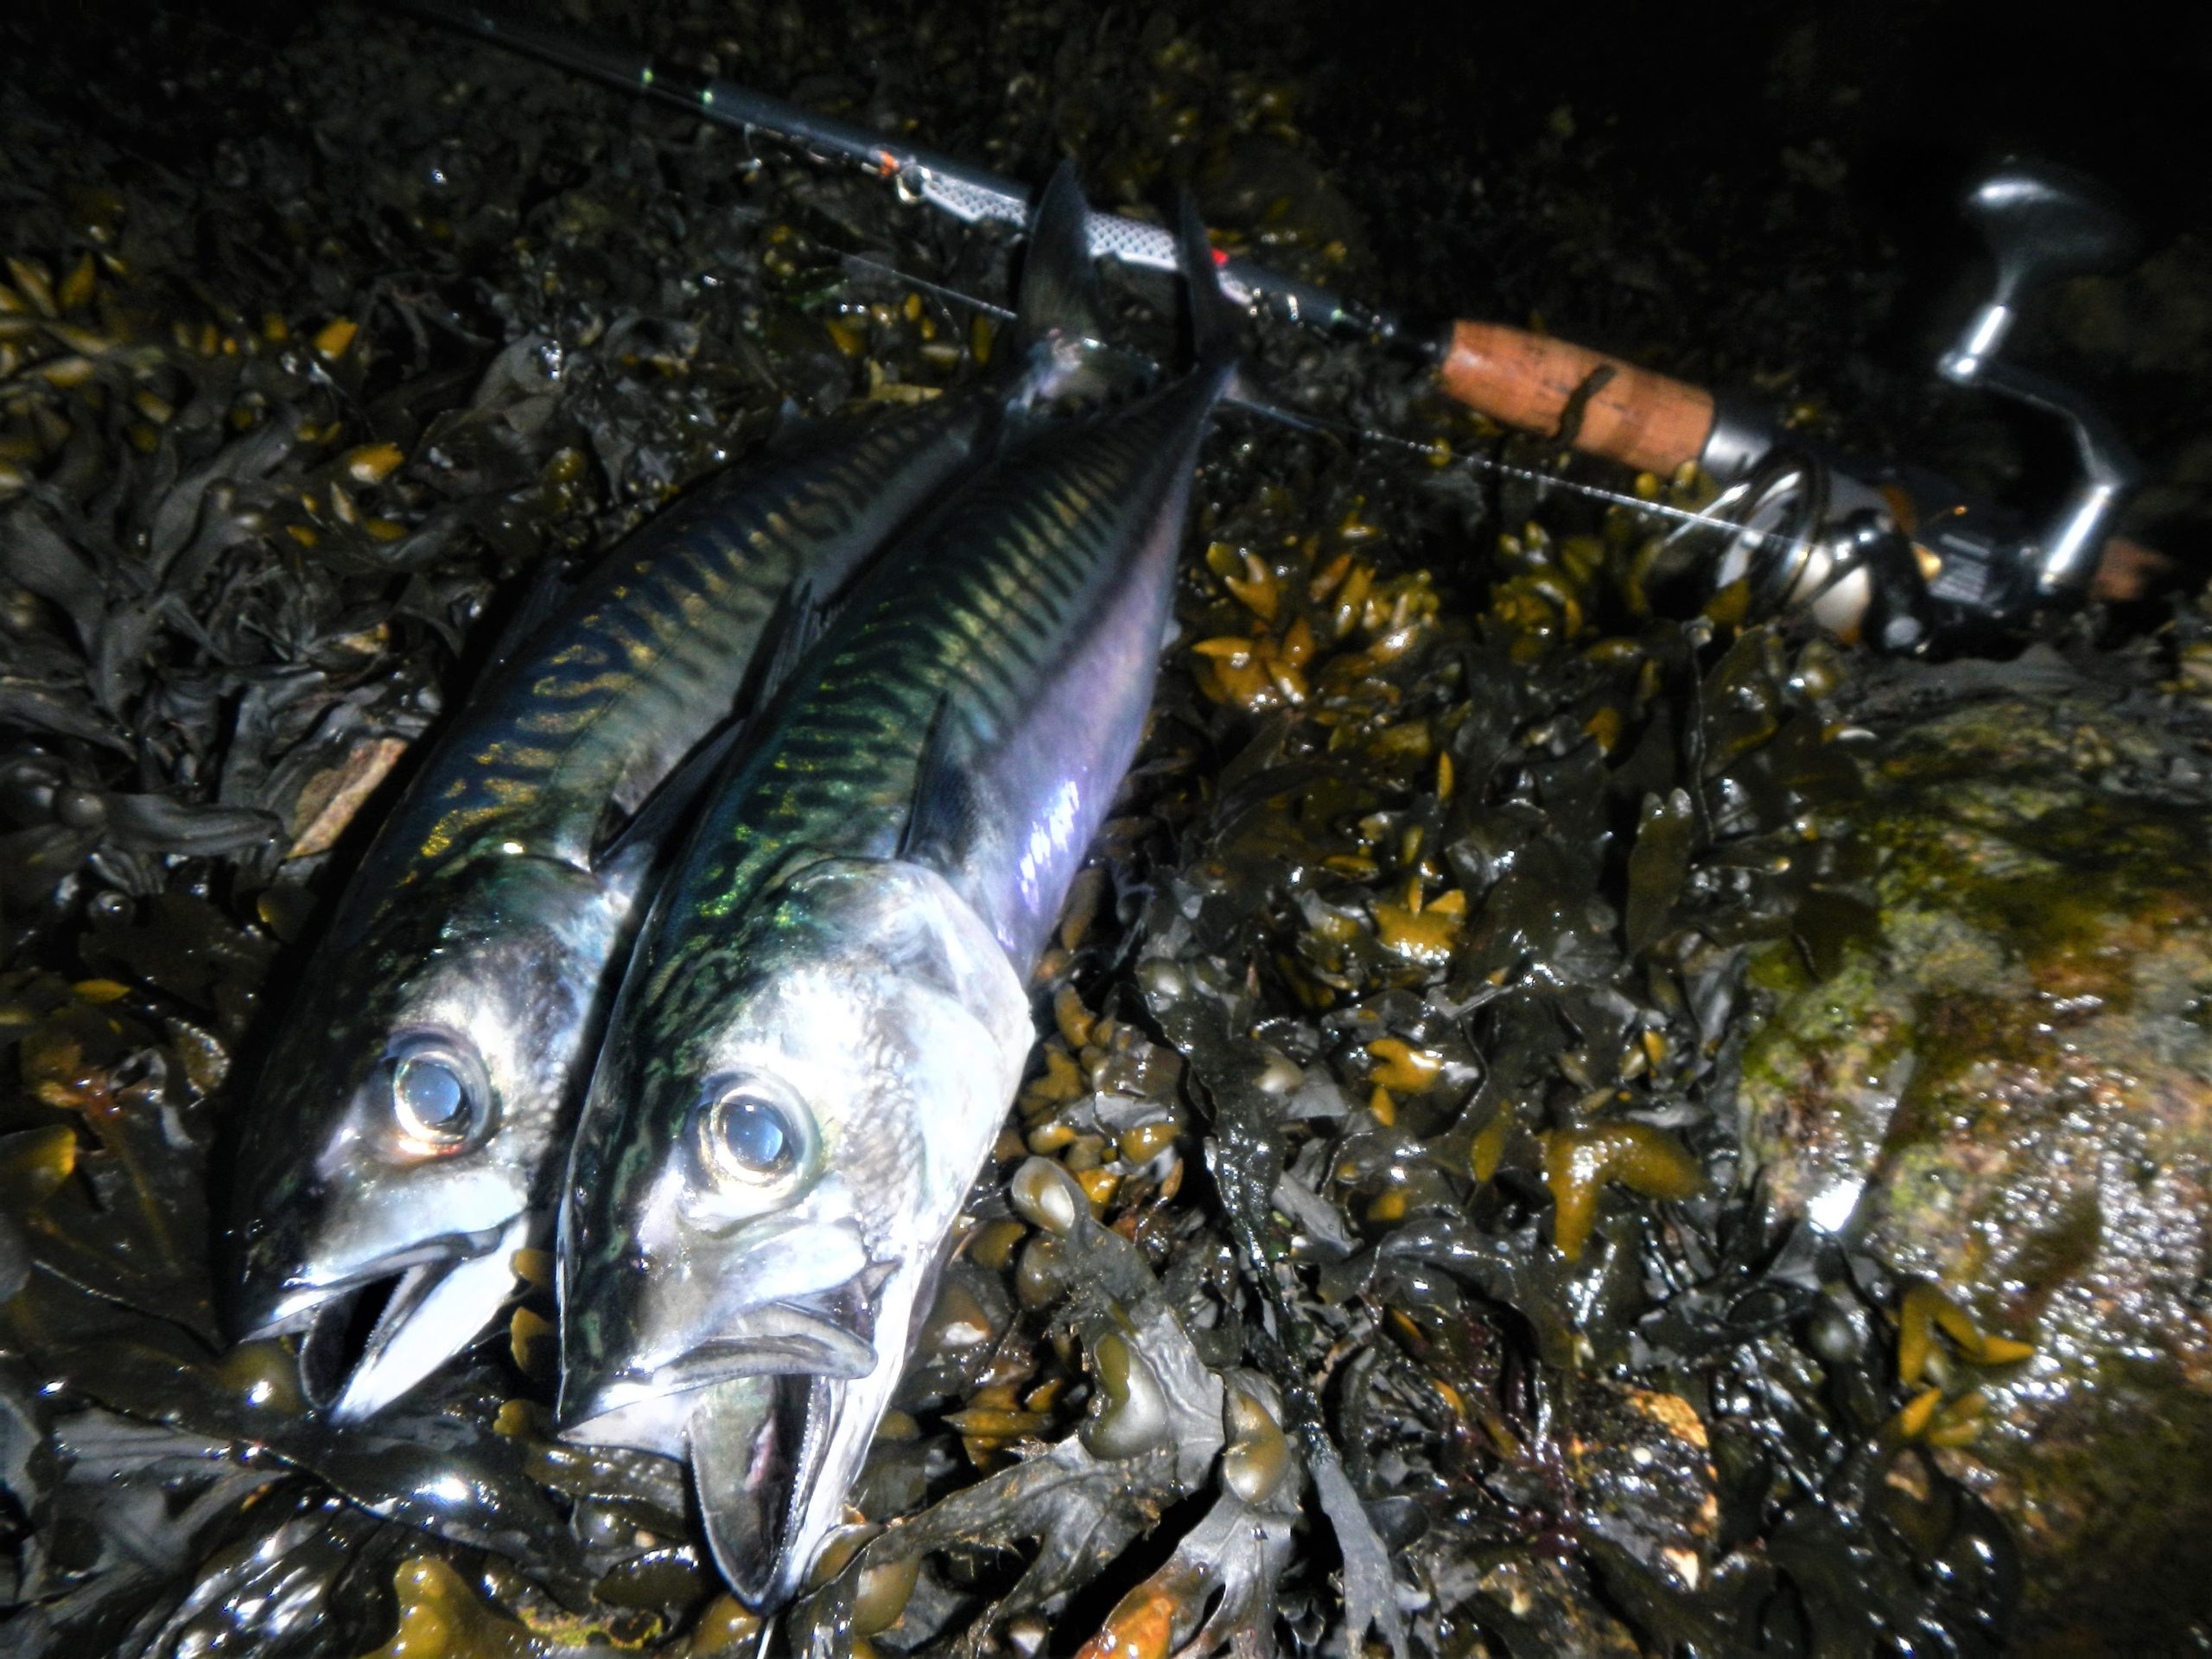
column 1896, row 557
column 1900, row 557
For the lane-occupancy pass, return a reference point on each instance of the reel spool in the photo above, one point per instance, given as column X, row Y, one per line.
column 1804, row 538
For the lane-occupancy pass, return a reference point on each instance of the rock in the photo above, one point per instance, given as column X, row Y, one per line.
column 1644, row 1483
column 2006, row 1089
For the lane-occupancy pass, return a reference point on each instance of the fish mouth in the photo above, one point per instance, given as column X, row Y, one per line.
column 759, row 1443
column 760, row 1410
column 371, row 1336
column 758, row 1451
column 829, row 1333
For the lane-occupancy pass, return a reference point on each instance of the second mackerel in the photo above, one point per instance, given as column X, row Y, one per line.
column 828, row 1014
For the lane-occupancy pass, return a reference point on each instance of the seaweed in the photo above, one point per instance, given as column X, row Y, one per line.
column 1368, row 1261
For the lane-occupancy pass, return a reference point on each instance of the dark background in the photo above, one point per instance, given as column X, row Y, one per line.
column 1767, row 195
column 1763, row 196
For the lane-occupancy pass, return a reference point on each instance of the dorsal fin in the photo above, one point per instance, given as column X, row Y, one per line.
column 625, row 861
column 1213, row 319
column 801, row 617
column 551, row 589
column 1213, row 325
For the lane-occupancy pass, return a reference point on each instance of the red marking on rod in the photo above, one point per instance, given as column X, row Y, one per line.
column 1220, row 256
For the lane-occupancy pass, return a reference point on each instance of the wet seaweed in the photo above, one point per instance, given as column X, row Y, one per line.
column 1367, row 1262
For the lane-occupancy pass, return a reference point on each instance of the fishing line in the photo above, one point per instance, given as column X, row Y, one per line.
column 952, row 295
column 1683, row 518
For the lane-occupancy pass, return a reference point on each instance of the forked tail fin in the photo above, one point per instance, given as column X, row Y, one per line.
column 1213, row 325
column 1213, row 318
column 1058, row 335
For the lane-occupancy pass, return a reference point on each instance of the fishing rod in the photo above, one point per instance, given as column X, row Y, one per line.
column 1894, row 554
column 1684, row 518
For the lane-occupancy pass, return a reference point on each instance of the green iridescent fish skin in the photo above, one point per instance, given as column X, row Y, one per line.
column 418, row 1093
column 826, row 1018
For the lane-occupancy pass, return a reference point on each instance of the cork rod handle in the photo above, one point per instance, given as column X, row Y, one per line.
column 1632, row 415
column 1653, row 422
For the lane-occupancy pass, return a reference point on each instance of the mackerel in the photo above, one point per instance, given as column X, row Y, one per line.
column 826, row 1017
column 411, row 1115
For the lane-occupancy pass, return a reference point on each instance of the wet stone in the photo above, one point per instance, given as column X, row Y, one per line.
column 2006, row 1091
column 1645, row 1482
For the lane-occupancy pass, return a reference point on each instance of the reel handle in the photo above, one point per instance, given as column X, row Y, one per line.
column 2044, row 223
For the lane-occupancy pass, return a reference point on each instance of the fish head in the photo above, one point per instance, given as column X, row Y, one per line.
column 404, row 1126
column 776, row 1142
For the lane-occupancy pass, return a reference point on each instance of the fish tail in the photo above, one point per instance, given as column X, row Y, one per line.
column 1213, row 318
column 1060, row 331
column 1214, row 347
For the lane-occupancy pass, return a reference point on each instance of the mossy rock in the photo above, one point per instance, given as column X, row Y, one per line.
column 2007, row 1090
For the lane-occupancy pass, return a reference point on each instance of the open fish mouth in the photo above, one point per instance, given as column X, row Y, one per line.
column 757, row 1410
column 371, row 1337
column 757, row 1451
column 758, row 1441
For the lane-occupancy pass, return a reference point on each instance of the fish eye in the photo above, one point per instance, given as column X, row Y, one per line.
column 743, row 1136
column 436, row 1097
column 752, row 1136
